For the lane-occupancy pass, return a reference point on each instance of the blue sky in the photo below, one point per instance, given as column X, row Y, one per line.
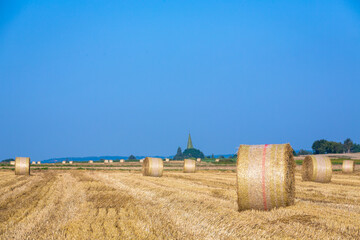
column 80, row 78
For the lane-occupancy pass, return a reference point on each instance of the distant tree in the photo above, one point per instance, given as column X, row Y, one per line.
column 208, row 156
column 294, row 153
column 132, row 157
column 348, row 145
column 7, row 160
column 355, row 148
column 212, row 156
column 193, row 153
column 334, row 147
column 179, row 155
column 303, row 152
column 222, row 157
column 319, row 146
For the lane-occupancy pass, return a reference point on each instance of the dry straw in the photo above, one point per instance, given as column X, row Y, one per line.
column 12, row 162
column 141, row 160
column 22, row 166
column 198, row 159
column 63, row 162
column 106, row 161
column 111, row 161
column 38, row 162
column 217, row 160
column 348, row 166
column 265, row 176
column 167, row 160
column 122, row 160
column 317, row 169
column 91, row 161
column 33, row 163
column 71, row 162
column 189, row 166
column 152, row 167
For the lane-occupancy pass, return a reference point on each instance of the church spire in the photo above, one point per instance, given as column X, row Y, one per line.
column 189, row 144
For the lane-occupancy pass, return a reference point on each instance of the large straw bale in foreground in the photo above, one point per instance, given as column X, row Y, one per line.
column 152, row 167
column 348, row 166
column 22, row 166
column 265, row 176
column 317, row 169
column 189, row 166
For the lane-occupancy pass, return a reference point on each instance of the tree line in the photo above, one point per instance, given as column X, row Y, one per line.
column 324, row 146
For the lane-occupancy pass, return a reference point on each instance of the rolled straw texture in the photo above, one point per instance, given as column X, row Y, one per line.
column 22, row 166
column 317, row 169
column 152, row 167
column 265, row 176
column 189, row 166
column 12, row 162
column 348, row 166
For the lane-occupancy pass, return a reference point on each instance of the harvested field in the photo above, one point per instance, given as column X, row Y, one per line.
column 76, row 204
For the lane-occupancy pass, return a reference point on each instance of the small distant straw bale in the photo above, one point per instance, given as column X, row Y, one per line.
column 348, row 166
column 91, row 161
column 189, row 166
column 122, row 160
column 12, row 162
column 152, row 167
column 198, row 159
column 22, row 166
column 317, row 169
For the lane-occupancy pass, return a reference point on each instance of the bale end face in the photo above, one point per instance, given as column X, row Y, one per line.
column 71, row 162
column 152, row 167
column 317, row 169
column 38, row 162
column 91, row 161
column 265, row 176
column 122, row 160
column 22, row 166
column 189, row 166
column 348, row 166
column 198, row 159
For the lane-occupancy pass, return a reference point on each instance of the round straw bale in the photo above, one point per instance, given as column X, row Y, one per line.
column 198, row 159
column 12, row 162
column 141, row 160
column 348, row 166
column 265, row 176
column 91, row 161
column 22, row 166
column 167, row 160
column 63, row 162
column 33, row 163
column 106, row 161
column 152, row 167
column 189, row 166
column 71, row 162
column 122, row 160
column 317, row 169
column 38, row 162
column 217, row 160
column 111, row 161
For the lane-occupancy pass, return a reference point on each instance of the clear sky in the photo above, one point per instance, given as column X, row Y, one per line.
column 82, row 78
